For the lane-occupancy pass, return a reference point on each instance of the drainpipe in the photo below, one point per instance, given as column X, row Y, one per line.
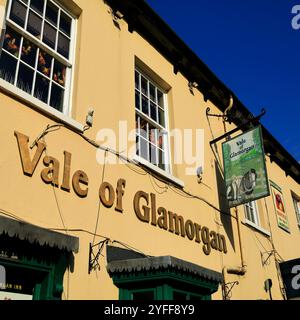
column 239, row 270
column 243, row 263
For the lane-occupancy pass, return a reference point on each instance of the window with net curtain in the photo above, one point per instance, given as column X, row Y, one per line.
column 151, row 122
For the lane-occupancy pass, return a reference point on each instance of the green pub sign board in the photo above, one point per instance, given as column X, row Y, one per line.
column 245, row 168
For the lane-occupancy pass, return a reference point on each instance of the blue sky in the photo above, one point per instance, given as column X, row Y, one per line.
column 251, row 46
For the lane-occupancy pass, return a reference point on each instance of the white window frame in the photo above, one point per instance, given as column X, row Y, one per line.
column 165, row 130
column 68, row 63
column 252, row 206
column 256, row 225
column 296, row 202
column 166, row 174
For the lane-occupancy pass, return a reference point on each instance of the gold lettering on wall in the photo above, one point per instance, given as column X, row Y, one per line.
column 145, row 206
column 108, row 202
column 51, row 173
column 145, row 213
column 28, row 165
column 80, row 177
column 176, row 224
column 120, row 193
column 67, row 169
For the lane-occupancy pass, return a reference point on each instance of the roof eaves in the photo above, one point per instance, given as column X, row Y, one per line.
column 143, row 19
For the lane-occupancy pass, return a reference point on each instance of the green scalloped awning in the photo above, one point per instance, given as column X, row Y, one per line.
column 122, row 261
column 41, row 236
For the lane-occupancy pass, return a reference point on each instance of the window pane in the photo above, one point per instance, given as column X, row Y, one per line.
column 297, row 209
column 137, row 100
column 28, row 53
column 63, row 45
column 160, row 140
column 145, row 107
column 25, row 78
column 160, row 99
column 8, row 66
column 161, row 117
column 12, row 42
column 57, row 97
column 41, row 88
column 144, row 86
column 44, row 63
column 137, row 80
column 34, row 25
column 152, row 134
column 37, row 6
column 137, row 124
column 152, row 92
column 65, row 24
column 250, row 212
column 51, row 13
column 143, row 128
column 49, row 36
column 153, row 154
column 59, row 73
column 18, row 13
column 161, row 159
column 153, row 111
column 137, row 145
column 144, row 148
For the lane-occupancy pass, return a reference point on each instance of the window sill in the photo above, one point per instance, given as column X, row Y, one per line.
column 257, row 228
column 159, row 172
column 40, row 106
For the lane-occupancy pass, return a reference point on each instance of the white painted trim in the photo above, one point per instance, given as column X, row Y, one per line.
column 258, row 228
column 40, row 106
column 166, row 129
column 159, row 171
column 255, row 212
column 2, row 17
column 168, row 155
column 68, row 63
column 72, row 58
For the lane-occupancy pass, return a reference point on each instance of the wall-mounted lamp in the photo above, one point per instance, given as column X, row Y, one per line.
column 193, row 85
column 200, row 174
column 268, row 286
column 117, row 15
column 89, row 120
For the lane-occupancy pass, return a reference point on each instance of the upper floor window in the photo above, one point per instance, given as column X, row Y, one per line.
column 251, row 213
column 151, row 122
column 37, row 54
column 296, row 202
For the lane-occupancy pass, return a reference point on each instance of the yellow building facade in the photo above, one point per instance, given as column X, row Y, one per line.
column 90, row 208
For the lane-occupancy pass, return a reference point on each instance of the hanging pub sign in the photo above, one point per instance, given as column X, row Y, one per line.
column 290, row 272
column 280, row 210
column 244, row 168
